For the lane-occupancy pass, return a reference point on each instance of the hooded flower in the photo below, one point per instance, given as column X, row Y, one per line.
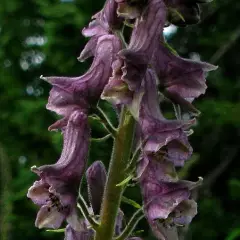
column 144, row 39
column 104, row 22
column 158, row 132
column 180, row 76
column 165, row 197
column 70, row 93
column 57, row 190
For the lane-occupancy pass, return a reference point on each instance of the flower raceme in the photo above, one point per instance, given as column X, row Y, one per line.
column 138, row 76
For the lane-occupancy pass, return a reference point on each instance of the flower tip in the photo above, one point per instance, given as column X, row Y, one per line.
column 46, row 79
column 210, row 67
column 81, row 58
column 35, row 169
column 200, row 180
column 43, row 78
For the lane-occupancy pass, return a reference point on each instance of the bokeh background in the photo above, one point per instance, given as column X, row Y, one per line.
column 44, row 37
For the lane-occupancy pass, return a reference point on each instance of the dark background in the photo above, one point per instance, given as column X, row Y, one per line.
column 44, row 37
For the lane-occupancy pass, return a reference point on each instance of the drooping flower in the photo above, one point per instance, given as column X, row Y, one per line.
column 70, row 93
column 57, row 190
column 165, row 197
column 158, row 132
column 145, row 37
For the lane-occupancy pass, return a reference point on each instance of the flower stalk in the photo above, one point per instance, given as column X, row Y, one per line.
column 112, row 194
column 84, row 210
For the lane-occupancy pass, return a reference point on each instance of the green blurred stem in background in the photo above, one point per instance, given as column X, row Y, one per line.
column 5, row 203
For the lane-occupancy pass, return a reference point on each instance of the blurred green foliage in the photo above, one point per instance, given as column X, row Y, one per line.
column 43, row 37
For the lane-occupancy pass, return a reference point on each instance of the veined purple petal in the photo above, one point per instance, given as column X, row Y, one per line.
column 71, row 164
column 155, row 166
column 145, row 37
column 96, row 179
column 178, row 75
column 70, row 93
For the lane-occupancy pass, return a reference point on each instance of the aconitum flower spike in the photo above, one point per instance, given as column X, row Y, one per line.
column 57, row 190
column 70, row 93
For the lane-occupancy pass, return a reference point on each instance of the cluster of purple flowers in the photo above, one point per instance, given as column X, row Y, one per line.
column 131, row 75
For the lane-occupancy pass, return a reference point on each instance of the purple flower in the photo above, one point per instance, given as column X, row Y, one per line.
column 180, row 76
column 57, row 190
column 144, row 39
column 165, row 197
column 70, row 93
column 104, row 23
column 158, row 132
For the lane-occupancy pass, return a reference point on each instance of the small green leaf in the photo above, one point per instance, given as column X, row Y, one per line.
column 56, row 230
column 169, row 47
column 125, row 181
column 131, row 202
column 101, row 139
column 178, row 14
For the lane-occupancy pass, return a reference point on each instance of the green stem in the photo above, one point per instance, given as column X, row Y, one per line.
column 102, row 139
column 112, row 194
column 84, row 210
column 137, row 216
column 106, row 121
